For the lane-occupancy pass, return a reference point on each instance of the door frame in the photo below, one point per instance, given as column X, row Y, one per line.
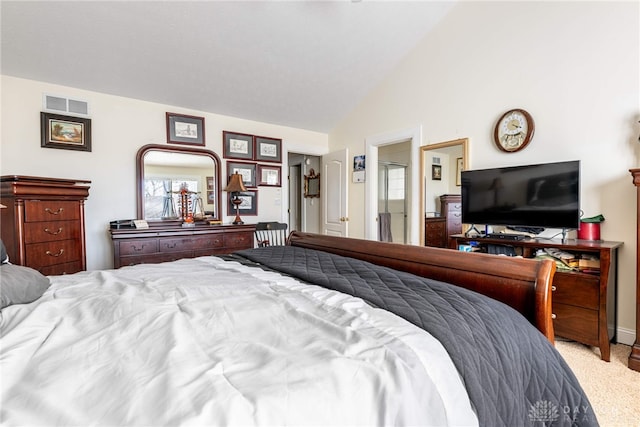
column 371, row 184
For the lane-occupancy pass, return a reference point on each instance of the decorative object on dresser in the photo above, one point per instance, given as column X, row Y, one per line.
column 65, row 132
column 235, row 187
column 183, row 129
column 169, row 243
column 43, row 225
column 514, row 130
column 584, row 299
column 634, row 358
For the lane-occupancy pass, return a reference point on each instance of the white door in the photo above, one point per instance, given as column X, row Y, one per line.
column 334, row 189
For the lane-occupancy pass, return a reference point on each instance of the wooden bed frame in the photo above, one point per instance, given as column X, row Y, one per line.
column 523, row 284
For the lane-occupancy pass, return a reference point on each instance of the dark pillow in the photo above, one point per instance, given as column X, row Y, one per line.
column 4, row 258
column 20, row 285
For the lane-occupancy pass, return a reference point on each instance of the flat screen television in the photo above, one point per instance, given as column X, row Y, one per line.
column 543, row 195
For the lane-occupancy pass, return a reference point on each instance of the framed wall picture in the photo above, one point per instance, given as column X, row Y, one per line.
column 210, row 183
column 246, row 170
column 269, row 176
column 436, row 172
column 268, row 149
column 459, row 169
column 65, row 132
column 182, row 129
column 211, row 197
column 249, row 205
column 237, row 145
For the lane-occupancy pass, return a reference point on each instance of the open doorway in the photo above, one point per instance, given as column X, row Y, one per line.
column 407, row 140
column 392, row 202
column 303, row 213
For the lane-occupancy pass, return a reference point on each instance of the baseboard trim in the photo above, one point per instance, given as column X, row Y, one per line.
column 625, row 336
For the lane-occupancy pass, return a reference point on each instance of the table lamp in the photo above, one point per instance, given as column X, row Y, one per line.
column 235, row 186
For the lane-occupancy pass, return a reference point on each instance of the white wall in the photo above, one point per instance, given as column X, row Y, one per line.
column 120, row 126
column 573, row 65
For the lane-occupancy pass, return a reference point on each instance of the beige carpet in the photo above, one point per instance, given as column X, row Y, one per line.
column 613, row 389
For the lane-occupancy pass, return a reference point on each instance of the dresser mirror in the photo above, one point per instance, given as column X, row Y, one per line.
column 164, row 171
column 440, row 167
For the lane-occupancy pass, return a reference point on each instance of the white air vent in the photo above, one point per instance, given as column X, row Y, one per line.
column 59, row 104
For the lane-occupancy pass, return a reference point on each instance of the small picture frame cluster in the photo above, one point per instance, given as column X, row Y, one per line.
column 65, row 132
column 184, row 129
column 243, row 146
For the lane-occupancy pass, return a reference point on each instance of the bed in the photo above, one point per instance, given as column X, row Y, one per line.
column 323, row 331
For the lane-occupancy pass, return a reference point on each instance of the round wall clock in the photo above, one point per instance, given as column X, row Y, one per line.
column 514, row 130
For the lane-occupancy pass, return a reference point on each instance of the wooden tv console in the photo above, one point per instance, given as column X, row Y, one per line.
column 583, row 304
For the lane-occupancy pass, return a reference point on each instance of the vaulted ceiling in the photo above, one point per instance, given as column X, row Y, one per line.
column 303, row 64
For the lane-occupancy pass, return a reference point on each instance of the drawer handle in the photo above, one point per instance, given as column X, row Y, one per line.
column 138, row 249
column 53, row 233
column 60, row 252
column 553, row 316
column 168, row 246
column 58, row 212
column 553, row 288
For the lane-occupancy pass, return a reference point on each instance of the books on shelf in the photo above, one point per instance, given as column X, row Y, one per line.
column 567, row 261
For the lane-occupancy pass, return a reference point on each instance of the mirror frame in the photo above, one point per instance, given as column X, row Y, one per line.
column 464, row 143
column 312, row 179
column 182, row 150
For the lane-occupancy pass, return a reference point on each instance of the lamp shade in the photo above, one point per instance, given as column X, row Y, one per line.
column 235, row 184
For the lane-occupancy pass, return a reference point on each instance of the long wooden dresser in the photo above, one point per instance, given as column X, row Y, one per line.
column 169, row 243
column 43, row 224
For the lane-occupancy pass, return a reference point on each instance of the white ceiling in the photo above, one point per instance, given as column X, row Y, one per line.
column 304, row 64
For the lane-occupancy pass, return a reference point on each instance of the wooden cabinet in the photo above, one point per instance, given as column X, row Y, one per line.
column 435, row 232
column 160, row 244
column 451, row 210
column 43, row 224
column 583, row 304
column 634, row 357
column 438, row 229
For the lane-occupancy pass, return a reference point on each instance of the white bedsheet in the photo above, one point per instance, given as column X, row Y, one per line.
column 208, row 342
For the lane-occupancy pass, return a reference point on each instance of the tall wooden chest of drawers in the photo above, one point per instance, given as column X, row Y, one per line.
column 43, row 224
column 169, row 243
column 438, row 229
column 451, row 210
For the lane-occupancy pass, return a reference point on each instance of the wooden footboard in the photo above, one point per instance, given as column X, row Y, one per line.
column 523, row 284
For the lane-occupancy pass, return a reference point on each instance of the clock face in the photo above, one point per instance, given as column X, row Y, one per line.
column 514, row 130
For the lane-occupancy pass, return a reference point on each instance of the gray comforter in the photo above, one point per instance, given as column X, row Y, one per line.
column 513, row 375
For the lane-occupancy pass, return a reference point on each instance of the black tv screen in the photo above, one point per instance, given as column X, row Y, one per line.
column 543, row 195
